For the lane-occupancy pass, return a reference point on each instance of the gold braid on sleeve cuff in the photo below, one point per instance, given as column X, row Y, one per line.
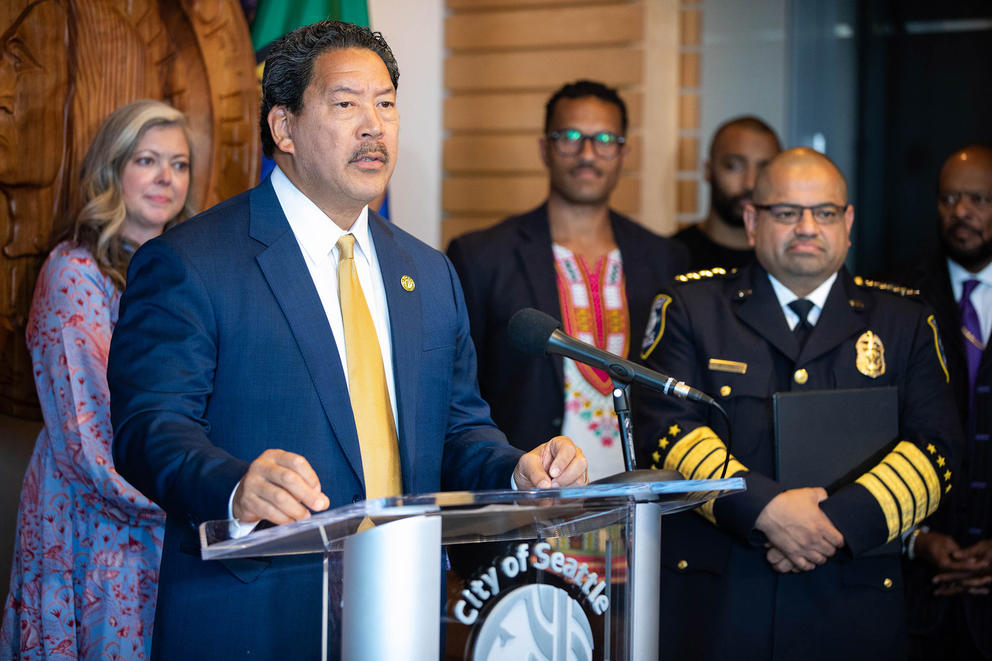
column 907, row 484
column 700, row 455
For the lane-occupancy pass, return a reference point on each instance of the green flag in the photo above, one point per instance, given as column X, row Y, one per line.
column 274, row 18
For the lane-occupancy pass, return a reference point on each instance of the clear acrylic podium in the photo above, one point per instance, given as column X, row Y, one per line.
column 569, row 573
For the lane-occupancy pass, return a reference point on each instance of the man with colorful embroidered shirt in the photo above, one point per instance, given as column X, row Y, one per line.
column 777, row 573
column 950, row 568
column 577, row 260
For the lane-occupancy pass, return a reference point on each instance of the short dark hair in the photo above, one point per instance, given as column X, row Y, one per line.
column 581, row 89
column 289, row 65
column 749, row 122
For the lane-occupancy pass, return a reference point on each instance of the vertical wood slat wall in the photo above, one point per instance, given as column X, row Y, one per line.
column 690, row 173
column 506, row 57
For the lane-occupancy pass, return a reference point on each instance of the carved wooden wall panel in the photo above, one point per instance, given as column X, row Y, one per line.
column 66, row 64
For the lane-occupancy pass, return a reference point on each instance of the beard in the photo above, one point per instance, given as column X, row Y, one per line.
column 971, row 259
column 729, row 208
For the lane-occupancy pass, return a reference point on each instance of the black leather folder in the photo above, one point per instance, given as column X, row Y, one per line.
column 827, row 438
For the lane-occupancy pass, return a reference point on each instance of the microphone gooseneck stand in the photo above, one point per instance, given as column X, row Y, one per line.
column 621, row 405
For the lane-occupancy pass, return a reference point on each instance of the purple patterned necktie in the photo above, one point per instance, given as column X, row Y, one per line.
column 972, row 332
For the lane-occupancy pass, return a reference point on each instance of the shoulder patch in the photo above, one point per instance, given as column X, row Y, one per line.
column 656, row 324
column 703, row 274
column 899, row 290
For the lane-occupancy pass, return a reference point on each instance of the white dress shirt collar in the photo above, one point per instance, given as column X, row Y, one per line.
column 981, row 296
column 316, row 232
column 959, row 274
column 818, row 296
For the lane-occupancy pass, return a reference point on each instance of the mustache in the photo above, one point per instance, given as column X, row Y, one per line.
column 805, row 241
column 586, row 166
column 958, row 223
column 367, row 148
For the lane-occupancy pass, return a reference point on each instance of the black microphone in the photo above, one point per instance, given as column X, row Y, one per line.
column 535, row 333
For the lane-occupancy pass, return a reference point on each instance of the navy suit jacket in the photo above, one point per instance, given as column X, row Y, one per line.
column 511, row 266
column 222, row 351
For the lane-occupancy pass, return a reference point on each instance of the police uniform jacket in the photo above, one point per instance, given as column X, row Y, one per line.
column 727, row 335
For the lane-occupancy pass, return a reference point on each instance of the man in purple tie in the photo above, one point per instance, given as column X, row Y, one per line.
column 950, row 559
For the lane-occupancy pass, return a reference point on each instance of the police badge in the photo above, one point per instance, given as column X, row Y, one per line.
column 871, row 355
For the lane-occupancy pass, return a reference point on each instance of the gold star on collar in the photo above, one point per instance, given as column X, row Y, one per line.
column 947, row 475
column 941, row 461
column 673, row 430
column 662, row 442
column 930, row 448
column 656, row 456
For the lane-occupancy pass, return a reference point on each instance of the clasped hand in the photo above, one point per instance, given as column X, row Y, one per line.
column 800, row 536
column 281, row 486
column 959, row 569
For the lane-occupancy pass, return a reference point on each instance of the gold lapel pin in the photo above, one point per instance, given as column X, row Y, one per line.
column 407, row 283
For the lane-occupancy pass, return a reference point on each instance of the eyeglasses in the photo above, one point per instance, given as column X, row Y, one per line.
column 570, row 142
column 950, row 198
column 790, row 214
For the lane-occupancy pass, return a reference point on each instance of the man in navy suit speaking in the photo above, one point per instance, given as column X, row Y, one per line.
column 288, row 351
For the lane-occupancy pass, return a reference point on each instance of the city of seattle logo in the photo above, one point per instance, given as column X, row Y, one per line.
column 532, row 621
column 535, row 622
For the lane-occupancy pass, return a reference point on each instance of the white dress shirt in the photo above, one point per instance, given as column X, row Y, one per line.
column 818, row 296
column 981, row 296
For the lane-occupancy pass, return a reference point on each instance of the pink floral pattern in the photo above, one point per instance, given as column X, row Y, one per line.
column 86, row 557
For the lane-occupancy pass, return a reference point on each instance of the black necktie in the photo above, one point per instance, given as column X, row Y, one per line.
column 802, row 306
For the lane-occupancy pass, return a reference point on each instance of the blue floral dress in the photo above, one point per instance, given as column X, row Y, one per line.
column 86, row 557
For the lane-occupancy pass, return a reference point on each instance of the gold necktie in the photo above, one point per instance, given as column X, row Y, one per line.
column 367, row 382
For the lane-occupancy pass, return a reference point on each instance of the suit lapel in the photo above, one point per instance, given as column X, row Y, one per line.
column 537, row 262
column 405, row 333
column 760, row 310
column 285, row 270
column 637, row 275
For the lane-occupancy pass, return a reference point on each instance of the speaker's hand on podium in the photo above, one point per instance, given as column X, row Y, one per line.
column 557, row 463
column 278, row 487
column 800, row 535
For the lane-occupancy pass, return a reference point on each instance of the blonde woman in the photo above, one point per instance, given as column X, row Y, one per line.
column 86, row 557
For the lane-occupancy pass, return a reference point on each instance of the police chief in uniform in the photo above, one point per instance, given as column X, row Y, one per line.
column 776, row 573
